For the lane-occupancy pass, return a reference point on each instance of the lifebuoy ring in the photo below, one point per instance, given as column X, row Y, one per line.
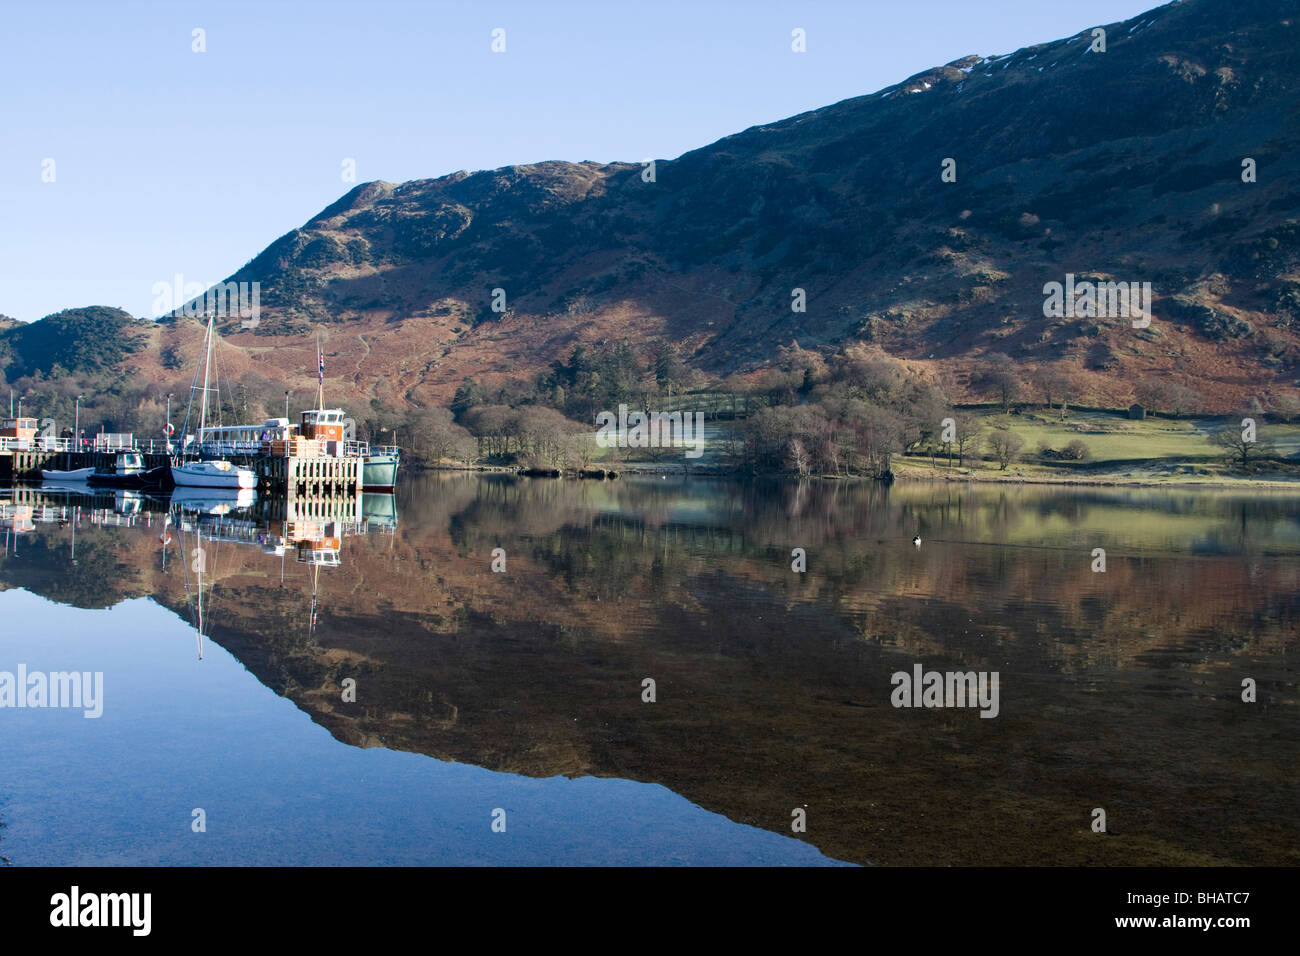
column 169, row 429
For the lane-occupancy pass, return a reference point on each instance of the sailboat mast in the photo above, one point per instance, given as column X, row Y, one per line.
column 207, row 369
column 189, row 408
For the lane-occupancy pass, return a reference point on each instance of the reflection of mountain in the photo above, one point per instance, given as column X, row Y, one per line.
column 1118, row 690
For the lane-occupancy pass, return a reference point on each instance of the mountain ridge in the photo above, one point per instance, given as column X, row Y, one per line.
column 1116, row 165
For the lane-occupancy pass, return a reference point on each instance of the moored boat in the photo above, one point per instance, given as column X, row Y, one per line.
column 128, row 471
column 379, row 469
column 212, row 474
column 73, row 474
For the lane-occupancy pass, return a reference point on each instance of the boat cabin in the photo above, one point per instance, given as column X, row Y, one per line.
column 23, row 429
column 323, row 424
column 128, row 463
column 263, row 439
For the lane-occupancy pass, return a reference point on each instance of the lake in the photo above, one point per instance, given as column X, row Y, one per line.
column 646, row 679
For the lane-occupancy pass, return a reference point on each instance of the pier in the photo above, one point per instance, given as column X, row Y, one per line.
column 312, row 465
column 23, row 461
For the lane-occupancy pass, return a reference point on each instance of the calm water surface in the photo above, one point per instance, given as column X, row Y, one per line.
column 522, row 691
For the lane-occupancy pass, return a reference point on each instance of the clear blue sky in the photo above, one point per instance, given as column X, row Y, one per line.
column 169, row 161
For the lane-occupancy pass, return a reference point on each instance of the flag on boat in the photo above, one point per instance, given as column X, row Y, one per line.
column 320, row 363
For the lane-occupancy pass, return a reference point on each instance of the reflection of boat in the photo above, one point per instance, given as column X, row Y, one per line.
column 17, row 517
column 379, row 510
column 213, row 501
column 324, row 555
column 128, row 471
column 379, row 469
column 217, row 473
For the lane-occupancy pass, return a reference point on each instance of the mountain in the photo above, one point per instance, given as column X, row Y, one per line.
column 1123, row 165
column 79, row 341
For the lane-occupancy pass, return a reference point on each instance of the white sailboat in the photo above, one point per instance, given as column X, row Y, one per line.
column 212, row 474
column 215, row 473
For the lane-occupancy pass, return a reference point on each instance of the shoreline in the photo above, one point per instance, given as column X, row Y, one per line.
column 915, row 475
column 1111, row 481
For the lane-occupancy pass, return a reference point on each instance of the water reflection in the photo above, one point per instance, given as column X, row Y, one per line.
column 1119, row 689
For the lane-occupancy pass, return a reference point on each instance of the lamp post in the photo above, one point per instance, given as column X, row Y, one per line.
column 286, row 406
column 76, row 426
column 167, row 425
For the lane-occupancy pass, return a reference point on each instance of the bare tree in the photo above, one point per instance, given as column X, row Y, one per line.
column 1006, row 446
column 967, row 435
column 997, row 376
column 1242, row 445
column 1051, row 384
column 798, row 456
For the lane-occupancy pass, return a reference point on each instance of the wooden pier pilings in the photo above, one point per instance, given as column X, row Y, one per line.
column 306, row 482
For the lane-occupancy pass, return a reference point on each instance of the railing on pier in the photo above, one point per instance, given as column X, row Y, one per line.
column 37, row 444
column 296, row 447
column 150, row 447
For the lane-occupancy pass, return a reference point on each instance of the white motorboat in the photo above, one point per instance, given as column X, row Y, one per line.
column 76, row 474
column 212, row 474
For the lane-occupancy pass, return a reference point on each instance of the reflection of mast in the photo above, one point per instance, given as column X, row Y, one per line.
column 165, row 538
column 198, row 536
column 315, row 581
column 196, row 617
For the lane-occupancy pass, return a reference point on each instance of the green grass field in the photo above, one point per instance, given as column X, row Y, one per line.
column 1153, row 449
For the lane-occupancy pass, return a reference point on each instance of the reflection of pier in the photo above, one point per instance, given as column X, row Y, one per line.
column 316, row 541
column 31, row 506
column 314, row 529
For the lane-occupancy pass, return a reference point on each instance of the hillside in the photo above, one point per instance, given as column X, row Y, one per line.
column 1121, row 165
column 89, row 340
